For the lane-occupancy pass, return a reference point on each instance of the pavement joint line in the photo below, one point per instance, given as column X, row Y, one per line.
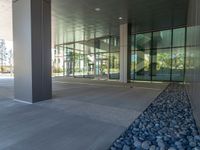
column 107, row 85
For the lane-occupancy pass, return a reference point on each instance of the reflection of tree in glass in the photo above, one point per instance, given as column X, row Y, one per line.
column 163, row 61
column 146, row 62
column 178, row 60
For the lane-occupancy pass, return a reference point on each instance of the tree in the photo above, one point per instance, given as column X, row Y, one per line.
column 2, row 53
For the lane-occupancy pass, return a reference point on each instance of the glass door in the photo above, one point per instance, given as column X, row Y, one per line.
column 142, row 66
column 102, row 66
column 68, row 62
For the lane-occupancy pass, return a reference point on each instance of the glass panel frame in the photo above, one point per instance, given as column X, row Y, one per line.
column 100, row 57
column 178, row 64
column 143, row 41
column 114, row 65
column 179, row 37
column 142, row 65
column 161, row 65
column 166, row 44
column 162, row 39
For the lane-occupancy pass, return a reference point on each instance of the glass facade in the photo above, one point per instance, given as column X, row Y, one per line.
column 161, row 64
column 155, row 56
column 192, row 54
column 159, row 56
column 96, row 58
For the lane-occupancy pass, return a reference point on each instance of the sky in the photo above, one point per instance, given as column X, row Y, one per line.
column 6, row 29
column 9, row 44
column 6, row 20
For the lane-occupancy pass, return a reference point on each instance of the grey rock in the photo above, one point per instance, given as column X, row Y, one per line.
column 167, row 123
column 137, row 144
column 192, row 144
column 180, row 148
column 117, row 145
column 146, row 144
column 113, row 148
column 178, row 143
column 197, row 137
column 190, row 138
column 161, row 144
column 152, row 147
column 166, row 138
column 135, row 130
column 172, row 148
column 126, row 147
column 127, row 141
column 135, row 138
column 159, row 137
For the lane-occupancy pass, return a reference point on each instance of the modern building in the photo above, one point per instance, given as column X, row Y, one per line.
column 121, row 41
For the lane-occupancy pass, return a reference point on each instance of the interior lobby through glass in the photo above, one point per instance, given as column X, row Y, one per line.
column 155, row 56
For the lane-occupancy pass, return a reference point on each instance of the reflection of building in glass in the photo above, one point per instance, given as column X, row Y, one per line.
column 57, row 62
column 95, row 58
column 6, row 57
column 155, row 56
column 159, row 55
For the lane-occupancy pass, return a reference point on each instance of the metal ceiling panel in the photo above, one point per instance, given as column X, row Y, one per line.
column 80, row 15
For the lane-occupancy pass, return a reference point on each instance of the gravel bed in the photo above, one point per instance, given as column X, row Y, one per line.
column 167, row 124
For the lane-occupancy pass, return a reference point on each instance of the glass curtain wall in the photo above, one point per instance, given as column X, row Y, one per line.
column 89, row 59
column 96, row 58
column 78, row 60
column 102, row 58
column 155, row 56
column 192, row 51
column 114, row 58
column 58, row 60
column 159, row 56
column 142, row 57
column 68, row 64
column 178, row 54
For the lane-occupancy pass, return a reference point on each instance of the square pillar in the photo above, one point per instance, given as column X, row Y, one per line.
column 32, row 50
column 125, row 52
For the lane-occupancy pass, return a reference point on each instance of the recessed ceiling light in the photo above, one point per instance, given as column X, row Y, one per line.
column 97, row 9
column 120, row 18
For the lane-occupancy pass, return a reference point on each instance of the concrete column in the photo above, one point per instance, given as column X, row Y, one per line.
column 125, row 52
column 32, row 50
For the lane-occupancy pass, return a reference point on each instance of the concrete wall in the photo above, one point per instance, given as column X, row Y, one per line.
column 192, row 77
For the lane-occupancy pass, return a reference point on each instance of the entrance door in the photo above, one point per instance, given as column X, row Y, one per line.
column 69, row 64
column 102, row 66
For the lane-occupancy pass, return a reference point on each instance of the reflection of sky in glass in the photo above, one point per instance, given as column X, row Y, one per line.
column 91, row 58
column 133, row 57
